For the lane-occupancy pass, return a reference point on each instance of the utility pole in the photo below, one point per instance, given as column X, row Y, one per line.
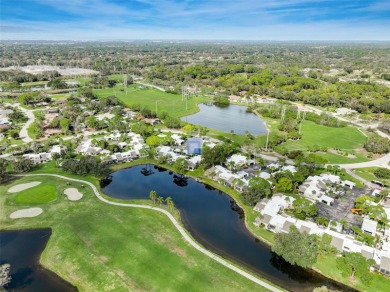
column 125, row 82
column 283, row 113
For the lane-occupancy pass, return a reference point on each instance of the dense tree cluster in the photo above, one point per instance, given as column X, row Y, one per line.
column 377, row 144
column 218, row 154
column 382, row 173
column 296, row 248
column 355, row 264
column 258, row 188
column 86, row 165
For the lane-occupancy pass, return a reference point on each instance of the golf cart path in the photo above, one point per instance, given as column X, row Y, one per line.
column 176, row 224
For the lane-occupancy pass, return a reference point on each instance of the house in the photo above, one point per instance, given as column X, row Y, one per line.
column 384, row 266
column 234, row 98
column 178, row 139
column 240, row 185
column 194, row 161
column 49, row 117
column 153, row 122
column 369, row 226
column 264, row 175
column 326, row 200
column 52, row 110
column 38, row 158
column 86, row 148
column 58, row 149
column 349, row 184
column 52, row 132
column 112, row 137
column 237, row 159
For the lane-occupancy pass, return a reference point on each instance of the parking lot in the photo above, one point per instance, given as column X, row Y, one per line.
column 342, row 207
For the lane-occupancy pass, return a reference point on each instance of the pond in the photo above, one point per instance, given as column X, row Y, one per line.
column 22, row 250
column 215, row 221
column 227, row 118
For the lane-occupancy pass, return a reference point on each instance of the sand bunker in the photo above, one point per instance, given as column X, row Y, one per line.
column 26, row 213
column 22, row 187
column 73, row 194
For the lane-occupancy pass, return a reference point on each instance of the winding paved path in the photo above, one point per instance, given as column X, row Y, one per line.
column 176, row 224
column 380, row 162
column 31, row 118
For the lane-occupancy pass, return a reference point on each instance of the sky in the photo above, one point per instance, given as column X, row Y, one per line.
column 195, row 20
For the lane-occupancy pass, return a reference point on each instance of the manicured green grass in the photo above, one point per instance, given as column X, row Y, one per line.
column 328, row 264
column 347, row 138
column 100, row 247
column 39, row 194
column 166, row 102
column 368, row 174
column 338, row 159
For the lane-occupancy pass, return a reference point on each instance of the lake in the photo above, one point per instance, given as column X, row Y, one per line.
column 22, row 250
column 227, row 118
column 215, row 221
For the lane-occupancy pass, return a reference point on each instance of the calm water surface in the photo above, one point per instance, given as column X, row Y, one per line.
column 215, row 221
column 22, row 249
column 227, row 118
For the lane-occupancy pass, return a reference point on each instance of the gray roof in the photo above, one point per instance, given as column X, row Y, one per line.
column 260, row 206
column 286, row 226
column 367, row 254
column 385, row 263
column 304, row 228
column 266, row 219
column 337, row 242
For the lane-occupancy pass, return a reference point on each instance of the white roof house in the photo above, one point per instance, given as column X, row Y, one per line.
column 58, row 149
column 348, row 183
column 178, row 139
column 264, row 175
column 326, row 199
column 238, row 159
column 369, row 226
column 291, row 168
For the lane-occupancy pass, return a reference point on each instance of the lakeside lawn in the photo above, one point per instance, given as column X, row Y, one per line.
column 100, row 247
column 166, row 102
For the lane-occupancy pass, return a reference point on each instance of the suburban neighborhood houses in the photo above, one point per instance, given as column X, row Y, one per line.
column 326, row 191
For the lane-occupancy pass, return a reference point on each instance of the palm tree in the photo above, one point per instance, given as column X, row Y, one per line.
column 153, row 196
column 160, row 200
column 169, row 202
